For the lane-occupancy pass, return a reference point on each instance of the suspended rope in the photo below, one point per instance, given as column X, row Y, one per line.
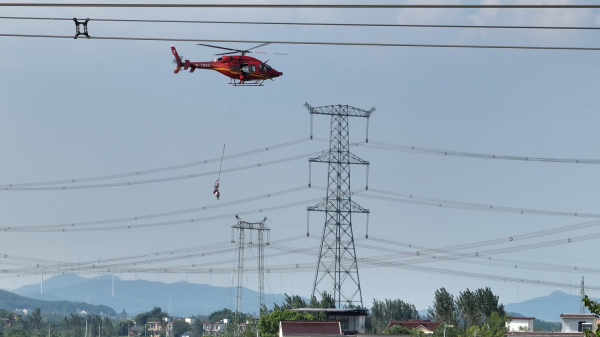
column 216, row 189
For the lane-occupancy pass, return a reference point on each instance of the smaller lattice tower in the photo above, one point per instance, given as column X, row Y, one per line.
column 260, row 228
column 582, row 295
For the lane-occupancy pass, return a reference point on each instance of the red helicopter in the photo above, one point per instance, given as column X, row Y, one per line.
column 242, row 69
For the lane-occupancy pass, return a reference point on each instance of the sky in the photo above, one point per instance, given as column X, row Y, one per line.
column 74, row 109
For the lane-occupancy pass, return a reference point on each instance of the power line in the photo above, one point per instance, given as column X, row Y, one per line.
column 157, row 180
column 423, row 150
column 364, row 44
column 158, row 215
column 157, row 170
column 304, row 23
column 444, row 203
column 316, row 6
column 151, row 225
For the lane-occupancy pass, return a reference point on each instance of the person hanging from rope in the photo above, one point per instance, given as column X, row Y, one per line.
column 216, row 190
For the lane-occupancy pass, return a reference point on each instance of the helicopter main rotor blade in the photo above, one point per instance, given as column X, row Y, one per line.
column 264, row 52
column 208, row 45
column 260, row 45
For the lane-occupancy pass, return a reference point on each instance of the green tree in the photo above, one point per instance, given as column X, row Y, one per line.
column 197, row 328
column 327, row 301
column 468, row 308
column 223, row 313
column 122, row 327
column 17, row 333
column 594, row 308
column 397, row 330
column 444, row 308
column 494, row 326
column 180, row 327
column 488, row 303
column 268, row 325
column 293, row 302
column 154, row 315
column 36, row 321
column 382, row 312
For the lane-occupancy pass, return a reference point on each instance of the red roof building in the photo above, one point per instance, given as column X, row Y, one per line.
column 302, row 328
column 424, row 325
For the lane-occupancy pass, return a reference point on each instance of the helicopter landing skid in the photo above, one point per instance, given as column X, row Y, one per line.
column 257, row 83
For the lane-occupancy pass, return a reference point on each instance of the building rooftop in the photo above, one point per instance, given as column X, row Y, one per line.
column 415, row 323
column 310, row 328
column 579, row 315
column 543, row 333
column 335, row 311
column 523, row 318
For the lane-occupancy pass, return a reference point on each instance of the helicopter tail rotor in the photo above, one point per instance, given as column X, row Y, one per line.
column 177, row 60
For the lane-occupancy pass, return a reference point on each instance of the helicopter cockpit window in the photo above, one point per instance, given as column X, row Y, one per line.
column 268, row 66
column 262, row 68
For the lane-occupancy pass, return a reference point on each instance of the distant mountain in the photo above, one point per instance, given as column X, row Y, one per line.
column 548, row 308
column 137, row 296
column 14, row 302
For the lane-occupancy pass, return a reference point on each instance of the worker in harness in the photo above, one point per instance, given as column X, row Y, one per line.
column 216, row 190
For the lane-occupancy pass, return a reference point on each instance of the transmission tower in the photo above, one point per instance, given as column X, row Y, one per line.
column 337, row 269
column 582, row 295
column 260, row 227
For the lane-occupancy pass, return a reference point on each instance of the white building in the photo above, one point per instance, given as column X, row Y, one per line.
column 190, row 320
column 578, row 322
column 521, row 324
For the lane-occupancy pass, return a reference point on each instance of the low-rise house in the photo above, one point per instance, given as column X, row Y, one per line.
column 153, row 329
column 214, row 328
column 352, row 321
column 424, row 325
column 521, row 324
column 573, row 325
column 578, row 322
column 309, row 328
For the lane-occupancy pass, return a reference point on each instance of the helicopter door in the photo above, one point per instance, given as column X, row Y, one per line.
column 252, row 68
column 235, row 67
column 245, row 68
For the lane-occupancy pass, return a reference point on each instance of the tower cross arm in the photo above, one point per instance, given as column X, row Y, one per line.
column 250, row 225
column 334, row 158
column 329, row 205
column 340, row 110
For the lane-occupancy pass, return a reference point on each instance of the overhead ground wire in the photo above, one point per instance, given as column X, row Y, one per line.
column 303, row 23
column 261, row 6
column 365, row 44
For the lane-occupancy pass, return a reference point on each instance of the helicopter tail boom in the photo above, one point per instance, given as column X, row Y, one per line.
column 177, row 59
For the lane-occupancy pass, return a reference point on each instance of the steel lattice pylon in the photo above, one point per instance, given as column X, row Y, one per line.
column 260, row 227
column 337, row 268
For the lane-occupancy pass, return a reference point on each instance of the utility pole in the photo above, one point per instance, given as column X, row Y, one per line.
column 582, row 295
column 337, row 268
column 48, row 329
column 241, row 238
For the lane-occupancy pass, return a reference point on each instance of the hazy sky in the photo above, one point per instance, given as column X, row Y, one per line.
column 84, row 108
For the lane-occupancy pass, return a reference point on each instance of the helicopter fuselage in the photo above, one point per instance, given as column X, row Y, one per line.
column 241, row 68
